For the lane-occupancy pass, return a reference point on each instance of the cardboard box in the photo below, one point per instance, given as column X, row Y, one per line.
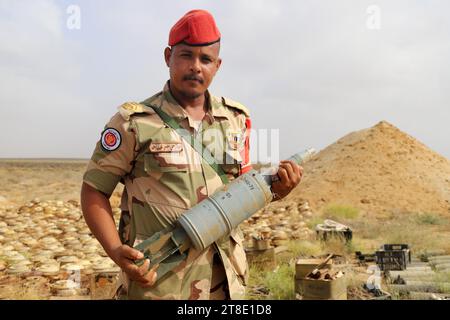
column 305, row 266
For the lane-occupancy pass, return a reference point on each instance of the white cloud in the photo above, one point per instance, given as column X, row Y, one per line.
column 311, row 68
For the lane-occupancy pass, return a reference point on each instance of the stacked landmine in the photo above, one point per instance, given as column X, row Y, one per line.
column 279, row 223
column 50, row 239
column 271, row 229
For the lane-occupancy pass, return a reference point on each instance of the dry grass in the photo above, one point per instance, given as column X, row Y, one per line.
column 311, row 223
column 416, row 229
column 279, row 283
column 304, row 248
column 421, row 237
column 419, row 230
column 338, row 247
column 443, row 277
column 340, row 212
column 427, row 218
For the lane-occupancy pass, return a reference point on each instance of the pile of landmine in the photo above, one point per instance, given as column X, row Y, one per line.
column 51, row 239
column 278, row 223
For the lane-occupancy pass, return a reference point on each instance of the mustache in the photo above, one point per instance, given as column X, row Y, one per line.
column 193, row 77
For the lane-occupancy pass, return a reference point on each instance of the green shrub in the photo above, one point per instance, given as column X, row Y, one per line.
column 281, row 282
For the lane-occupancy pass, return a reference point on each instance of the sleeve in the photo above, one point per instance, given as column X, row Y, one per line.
column 113, row 156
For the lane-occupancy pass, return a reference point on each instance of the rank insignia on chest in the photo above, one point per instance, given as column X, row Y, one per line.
column 235, row 139
column 157, row 147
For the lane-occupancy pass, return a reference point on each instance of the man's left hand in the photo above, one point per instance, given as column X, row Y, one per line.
column 290, row 176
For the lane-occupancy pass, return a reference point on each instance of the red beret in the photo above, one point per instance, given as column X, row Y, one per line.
column 195, row 28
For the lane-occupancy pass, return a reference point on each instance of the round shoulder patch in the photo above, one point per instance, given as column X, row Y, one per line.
column 111, row 139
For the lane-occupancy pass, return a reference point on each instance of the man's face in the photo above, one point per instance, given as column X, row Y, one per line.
column 192, row 69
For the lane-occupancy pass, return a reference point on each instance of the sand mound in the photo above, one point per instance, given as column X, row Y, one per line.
column 378, row 169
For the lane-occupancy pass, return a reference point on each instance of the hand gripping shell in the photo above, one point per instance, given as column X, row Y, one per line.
column 214, row 217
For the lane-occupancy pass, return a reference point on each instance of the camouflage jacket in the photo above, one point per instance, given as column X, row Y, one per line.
column 164, row 176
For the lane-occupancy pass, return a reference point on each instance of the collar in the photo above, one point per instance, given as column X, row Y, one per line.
column 169, row 104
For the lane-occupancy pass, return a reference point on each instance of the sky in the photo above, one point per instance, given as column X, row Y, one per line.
column 310, row 71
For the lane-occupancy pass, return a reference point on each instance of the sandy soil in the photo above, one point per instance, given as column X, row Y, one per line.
column 377, row 170
column 53, row 179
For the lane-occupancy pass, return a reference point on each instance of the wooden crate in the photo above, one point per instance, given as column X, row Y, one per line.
column 305, row 266
column 311, row 289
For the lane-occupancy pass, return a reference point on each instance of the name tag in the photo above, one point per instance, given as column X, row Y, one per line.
column 159, row 147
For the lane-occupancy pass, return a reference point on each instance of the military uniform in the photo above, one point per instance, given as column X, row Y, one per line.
column 164, row 176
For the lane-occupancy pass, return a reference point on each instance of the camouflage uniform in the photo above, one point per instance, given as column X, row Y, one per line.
column 164, row 176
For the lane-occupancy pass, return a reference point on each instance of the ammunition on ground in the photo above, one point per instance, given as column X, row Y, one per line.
column 213, row 218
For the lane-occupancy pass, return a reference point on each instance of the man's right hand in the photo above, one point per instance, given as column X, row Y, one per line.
column 124, row 256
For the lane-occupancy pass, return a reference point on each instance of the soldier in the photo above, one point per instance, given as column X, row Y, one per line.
column 164, row 175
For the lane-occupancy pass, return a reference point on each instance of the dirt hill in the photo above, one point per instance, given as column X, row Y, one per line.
column 378, row 169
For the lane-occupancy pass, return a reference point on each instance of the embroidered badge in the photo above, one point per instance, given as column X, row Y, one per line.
column 111, row 139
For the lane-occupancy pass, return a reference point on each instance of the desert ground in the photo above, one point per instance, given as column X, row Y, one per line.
column 383, row 184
